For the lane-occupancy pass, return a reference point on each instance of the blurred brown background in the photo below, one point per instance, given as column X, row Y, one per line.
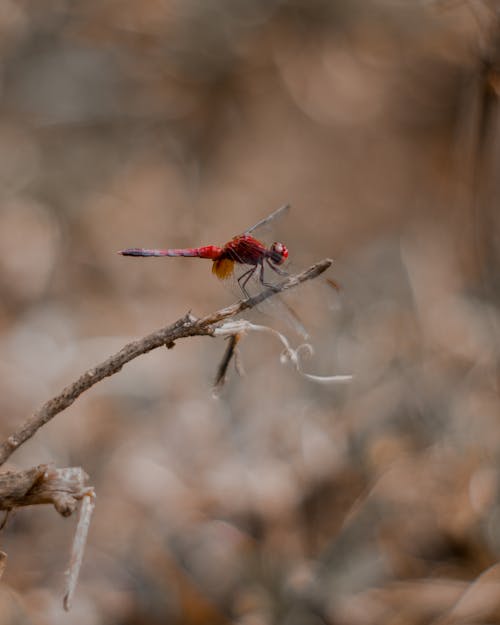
column 181, row 123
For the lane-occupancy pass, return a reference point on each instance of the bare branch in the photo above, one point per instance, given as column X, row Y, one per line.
column 291, row 282
column 41, row 485
column 63, row 488
column 184, row 327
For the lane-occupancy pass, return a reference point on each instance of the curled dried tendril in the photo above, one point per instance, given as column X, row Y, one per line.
column 289, row 355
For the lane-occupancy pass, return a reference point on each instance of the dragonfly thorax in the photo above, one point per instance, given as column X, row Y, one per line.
column 279, row 253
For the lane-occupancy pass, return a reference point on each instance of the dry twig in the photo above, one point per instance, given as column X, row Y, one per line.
column 41, row 485
column 184, row 327
column 63, row 488
column 229, row 354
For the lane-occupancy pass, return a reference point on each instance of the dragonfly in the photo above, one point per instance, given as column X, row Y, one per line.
column 242, row 250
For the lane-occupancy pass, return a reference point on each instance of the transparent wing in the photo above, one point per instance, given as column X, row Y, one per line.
column 279, row 212
column 276, row 307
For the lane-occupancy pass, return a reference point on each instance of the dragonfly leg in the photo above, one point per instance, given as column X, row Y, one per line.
column 261, row 274
column 244, row 278
column 277, row 269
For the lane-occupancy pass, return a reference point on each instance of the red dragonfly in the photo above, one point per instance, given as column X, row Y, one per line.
column 242, row 249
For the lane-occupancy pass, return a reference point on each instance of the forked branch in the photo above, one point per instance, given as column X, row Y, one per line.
column 184, row 327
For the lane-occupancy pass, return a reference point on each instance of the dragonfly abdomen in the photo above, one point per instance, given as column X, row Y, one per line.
column 213, row 252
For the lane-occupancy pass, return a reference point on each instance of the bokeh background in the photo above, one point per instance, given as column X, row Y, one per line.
column 182, row 122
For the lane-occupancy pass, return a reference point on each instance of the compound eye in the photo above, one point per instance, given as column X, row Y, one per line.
column 279, row 253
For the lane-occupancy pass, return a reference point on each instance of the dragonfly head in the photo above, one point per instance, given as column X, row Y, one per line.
column 279, row 253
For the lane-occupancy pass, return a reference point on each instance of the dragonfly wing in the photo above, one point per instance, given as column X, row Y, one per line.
column 279, row 308
column 275, row 307
column 277, row 213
